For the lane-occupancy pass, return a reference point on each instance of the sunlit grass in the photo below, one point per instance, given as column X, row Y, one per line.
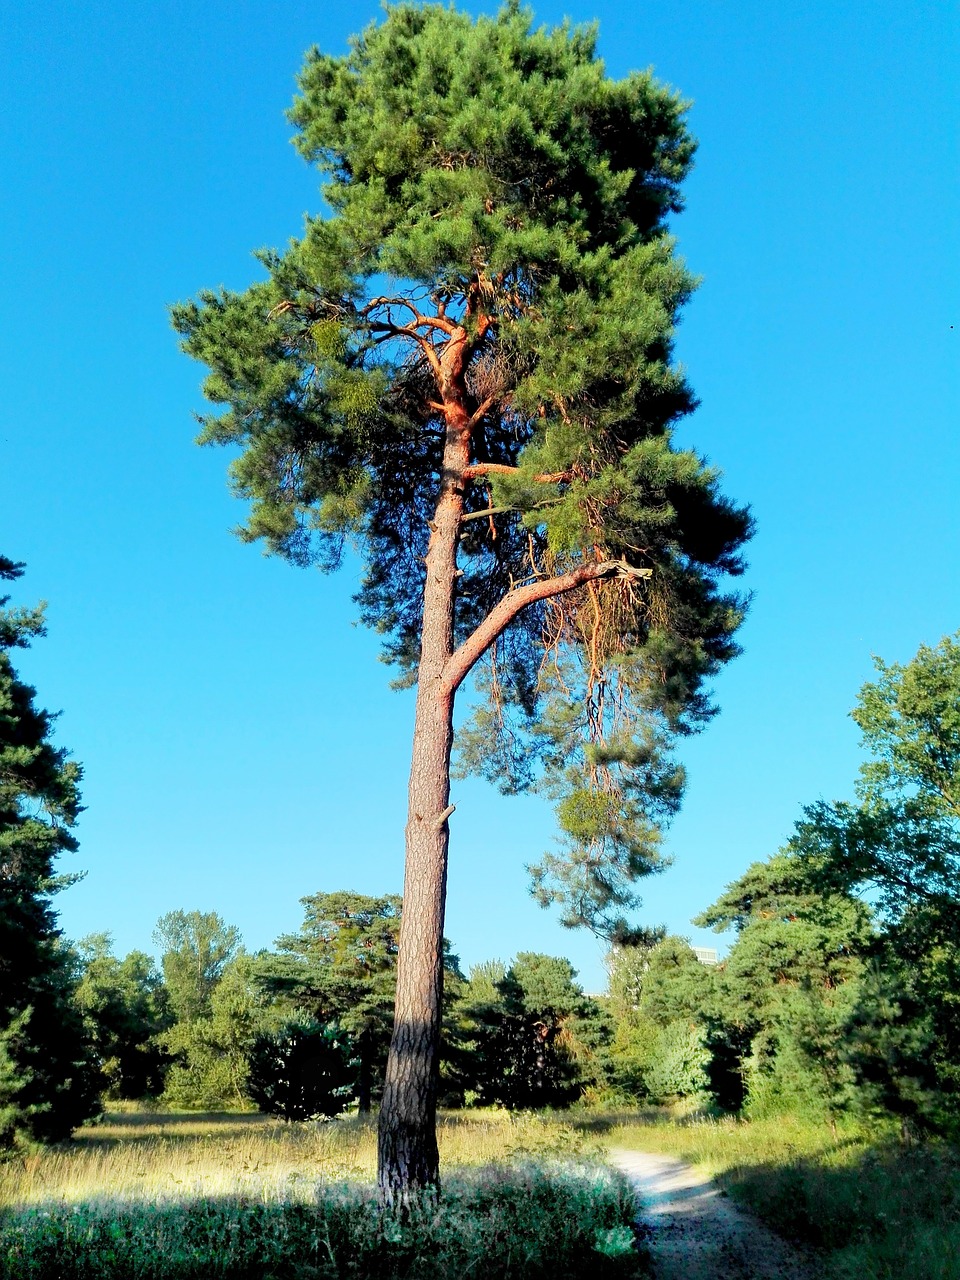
column 204, row 1197
column 721, row 1145
column 156, row 1156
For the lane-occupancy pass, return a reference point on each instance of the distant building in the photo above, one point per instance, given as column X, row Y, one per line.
column 706, row 955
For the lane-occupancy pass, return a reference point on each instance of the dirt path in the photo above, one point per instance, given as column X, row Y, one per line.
column 696, row 1233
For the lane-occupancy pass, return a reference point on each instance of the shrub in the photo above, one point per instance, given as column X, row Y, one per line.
column 302, row 1071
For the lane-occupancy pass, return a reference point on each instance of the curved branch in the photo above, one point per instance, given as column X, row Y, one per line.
column 458, row 665
column 419, row 319
column 479, row 413
column 478, row 469
column 406, row 331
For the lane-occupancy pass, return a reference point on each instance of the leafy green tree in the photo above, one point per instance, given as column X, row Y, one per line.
column 678, row 1063
column 902, row 836
column 48, row 1079
column 899, row 844
column 124, row 1009
column 218, row 1009
column 302, row 1071
column 197, row 946
column 212, row 1052
column 466, row 368
column 661, row 998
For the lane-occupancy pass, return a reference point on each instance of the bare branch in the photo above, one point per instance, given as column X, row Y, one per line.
column 420, row 321
column 460, row 662
column 476, row 417
column 486, row 511
column 478, row 469
column 441, row 818
column 407, row 331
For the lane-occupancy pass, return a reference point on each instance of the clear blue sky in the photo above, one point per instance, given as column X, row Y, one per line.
column 240, row 743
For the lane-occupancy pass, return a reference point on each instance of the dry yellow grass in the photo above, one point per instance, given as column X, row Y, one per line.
column 146, row 1156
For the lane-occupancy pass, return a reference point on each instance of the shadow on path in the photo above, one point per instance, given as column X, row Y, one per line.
column 696, row 1233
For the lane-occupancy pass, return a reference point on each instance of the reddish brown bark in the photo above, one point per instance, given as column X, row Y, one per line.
column 408, row 1160
column 407, row 1143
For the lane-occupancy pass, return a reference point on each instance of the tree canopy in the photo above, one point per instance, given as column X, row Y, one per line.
column 901, row 839
column 500, row 205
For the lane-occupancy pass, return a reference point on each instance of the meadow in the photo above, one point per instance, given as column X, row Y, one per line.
column 150, row 1196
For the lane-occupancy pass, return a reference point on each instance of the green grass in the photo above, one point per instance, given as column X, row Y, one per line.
column 158, row 1197
column 149, row 1196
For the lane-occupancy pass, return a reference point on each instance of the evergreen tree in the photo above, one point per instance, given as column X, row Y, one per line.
column 342, row 967
column 522, row 1047
column 785, row 993
column 302, row 1071
column 466, row 368
column 48, row 1079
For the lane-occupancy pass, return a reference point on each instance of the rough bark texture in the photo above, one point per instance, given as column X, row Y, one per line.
column 407, row 1145
column 408, row 1159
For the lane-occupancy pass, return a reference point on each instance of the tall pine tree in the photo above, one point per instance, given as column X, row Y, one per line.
column 48, row 1079
column 465, row 367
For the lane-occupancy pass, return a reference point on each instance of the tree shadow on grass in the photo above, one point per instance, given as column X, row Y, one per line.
column 495, row 1224
column 890, row 1201
column 134, row 1128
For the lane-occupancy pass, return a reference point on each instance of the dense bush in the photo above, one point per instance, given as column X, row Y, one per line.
column 302, row 1071
column 679, row 1062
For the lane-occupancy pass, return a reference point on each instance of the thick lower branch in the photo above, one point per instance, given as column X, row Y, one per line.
column 501, row 615
column 478, row 469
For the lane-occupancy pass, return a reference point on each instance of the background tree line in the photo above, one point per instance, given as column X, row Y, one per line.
column 839, row 992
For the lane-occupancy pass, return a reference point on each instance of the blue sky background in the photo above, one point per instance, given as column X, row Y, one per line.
column 240, row 743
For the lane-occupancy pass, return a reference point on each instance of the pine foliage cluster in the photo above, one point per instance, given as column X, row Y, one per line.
column 491, row 194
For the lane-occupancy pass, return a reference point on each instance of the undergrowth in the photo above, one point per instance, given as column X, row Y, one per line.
column 513, row 1222
column 161, row 1196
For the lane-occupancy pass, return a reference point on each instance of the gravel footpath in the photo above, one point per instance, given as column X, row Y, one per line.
column 696, row 1233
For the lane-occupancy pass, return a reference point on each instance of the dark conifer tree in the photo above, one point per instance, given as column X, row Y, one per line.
column 48, row 1078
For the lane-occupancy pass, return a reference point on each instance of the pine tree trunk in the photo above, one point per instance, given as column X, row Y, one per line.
column 408, row 1161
